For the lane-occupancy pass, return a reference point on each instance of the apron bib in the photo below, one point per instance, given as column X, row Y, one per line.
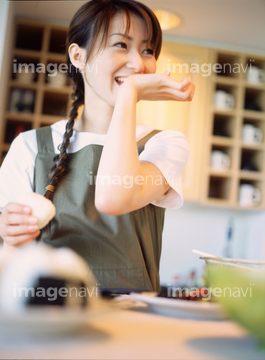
column 122, row 251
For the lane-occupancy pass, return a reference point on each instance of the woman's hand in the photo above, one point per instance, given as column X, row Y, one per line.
column 17, row 225
column 160, row 87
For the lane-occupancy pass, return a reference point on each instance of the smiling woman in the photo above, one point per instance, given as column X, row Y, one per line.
column 115, row 225
column 108, row 65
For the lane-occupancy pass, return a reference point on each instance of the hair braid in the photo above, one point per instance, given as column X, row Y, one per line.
column 60, row 167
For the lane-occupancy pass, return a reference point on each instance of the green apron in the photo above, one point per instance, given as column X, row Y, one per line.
column 122, row 251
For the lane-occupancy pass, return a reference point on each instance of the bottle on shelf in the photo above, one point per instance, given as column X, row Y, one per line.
column 21, row 101
column 15, row 102
column 28, row 101
column 228, row 249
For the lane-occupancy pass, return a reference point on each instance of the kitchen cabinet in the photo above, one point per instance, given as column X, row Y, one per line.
column 212, row 129
column 37, row 93
column 236, row 130
column 187, row 117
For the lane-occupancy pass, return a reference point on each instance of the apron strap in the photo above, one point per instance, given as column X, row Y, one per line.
column 44, row 140
column 141, row 143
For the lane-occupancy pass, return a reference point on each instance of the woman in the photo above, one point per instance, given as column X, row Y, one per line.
column 109, row 200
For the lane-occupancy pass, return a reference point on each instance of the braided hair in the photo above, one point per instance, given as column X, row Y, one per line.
column 90, row 24
column 60, row 167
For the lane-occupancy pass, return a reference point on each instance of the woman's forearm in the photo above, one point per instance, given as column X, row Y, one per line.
column 122, row 179
column 119, row 164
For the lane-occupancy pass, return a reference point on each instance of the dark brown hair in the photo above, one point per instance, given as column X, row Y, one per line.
column 90, row 24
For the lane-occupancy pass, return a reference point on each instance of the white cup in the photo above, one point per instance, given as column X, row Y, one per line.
column 223, row 100
column 255, row 75
column 249, row 195
column 25, row 75
column 220, row 161
column 251, row 134
column 58, row 79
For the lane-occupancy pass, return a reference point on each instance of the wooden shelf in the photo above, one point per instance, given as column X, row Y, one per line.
column 19, row 116
column 225, row 80
column 49, row 119
column 27, row 53
column 5, row 147
column 251, row 175
column 249, row 85
column 252, row 146
column 23, row 85
column 221, row 140
column 34, row 43
column 221, row 174
column 224, row 112
column 224, row 134
column 255, row 115
column 57, row 89
column 40, row 86
column 217, row 202
column 55, row 57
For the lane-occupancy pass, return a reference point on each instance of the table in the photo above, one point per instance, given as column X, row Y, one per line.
column 138, row 334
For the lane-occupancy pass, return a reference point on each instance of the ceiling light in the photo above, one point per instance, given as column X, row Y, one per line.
column 167, row 19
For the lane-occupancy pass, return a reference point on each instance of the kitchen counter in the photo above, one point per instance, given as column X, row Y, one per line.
column 138, row 334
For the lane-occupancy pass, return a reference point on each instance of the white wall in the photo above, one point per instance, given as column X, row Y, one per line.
column 4, row 5
column 205, row 228
column 6, row 28
column 256, row 236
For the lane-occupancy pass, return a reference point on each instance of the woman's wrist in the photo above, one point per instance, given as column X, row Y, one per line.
column 128, row 90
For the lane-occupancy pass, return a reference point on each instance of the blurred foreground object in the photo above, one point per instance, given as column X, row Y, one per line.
column 39, row 275
column 239, row 285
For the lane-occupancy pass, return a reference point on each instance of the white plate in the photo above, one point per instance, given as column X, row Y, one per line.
column 51, row 320
column 201, row 310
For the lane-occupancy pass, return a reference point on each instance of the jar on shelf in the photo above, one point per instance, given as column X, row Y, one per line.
column 25, row 75
column 15, row 103
column 28, row 101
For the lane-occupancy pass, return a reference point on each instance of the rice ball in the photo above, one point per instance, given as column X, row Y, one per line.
column 42, row 208
column 40, row 275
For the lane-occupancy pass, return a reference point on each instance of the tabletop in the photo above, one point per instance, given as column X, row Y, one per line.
column 137, row 334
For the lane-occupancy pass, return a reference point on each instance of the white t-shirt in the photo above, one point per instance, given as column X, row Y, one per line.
column 168, row 150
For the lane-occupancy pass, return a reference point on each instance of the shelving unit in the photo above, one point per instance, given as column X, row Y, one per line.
column 34, row 99
column 224, row 132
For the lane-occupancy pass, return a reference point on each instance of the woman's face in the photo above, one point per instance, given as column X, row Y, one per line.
column 123, row 56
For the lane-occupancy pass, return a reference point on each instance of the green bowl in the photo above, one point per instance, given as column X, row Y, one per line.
column 240, row 287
